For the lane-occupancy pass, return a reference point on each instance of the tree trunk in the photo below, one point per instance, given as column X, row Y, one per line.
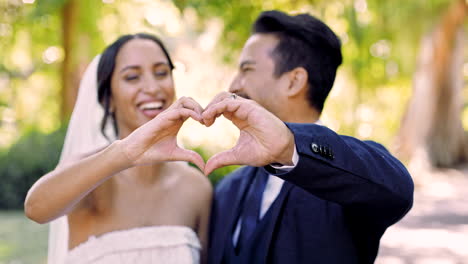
column 70, row 75
column 431, row 133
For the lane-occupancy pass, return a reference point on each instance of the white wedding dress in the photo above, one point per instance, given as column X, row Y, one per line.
column 155, row 244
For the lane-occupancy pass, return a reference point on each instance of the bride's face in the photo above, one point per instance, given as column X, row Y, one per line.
column 141, row 85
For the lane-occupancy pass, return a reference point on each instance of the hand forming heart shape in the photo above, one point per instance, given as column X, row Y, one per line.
column 263, row 139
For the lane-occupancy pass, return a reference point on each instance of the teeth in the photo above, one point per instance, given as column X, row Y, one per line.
column 151, row 105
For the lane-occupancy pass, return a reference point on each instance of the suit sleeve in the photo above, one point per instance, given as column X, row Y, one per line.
column 362, row 176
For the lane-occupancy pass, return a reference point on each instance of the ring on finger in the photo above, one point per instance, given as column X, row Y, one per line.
column 233, row 96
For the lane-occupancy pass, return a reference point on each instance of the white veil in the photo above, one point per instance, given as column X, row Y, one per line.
column 83, row 135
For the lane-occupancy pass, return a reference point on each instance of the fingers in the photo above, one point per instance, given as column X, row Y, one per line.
column 228, row 107
column 218, row 98
column 215, row 110
column 210, row 114
column 221, row 103
column 188, row 103
column 188, row 155
column 181, row 114
column 219, row 160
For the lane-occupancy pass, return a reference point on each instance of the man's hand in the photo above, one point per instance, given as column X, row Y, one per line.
column 264, row 138
column 156, row 141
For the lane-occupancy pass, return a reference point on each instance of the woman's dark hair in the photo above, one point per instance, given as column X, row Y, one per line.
column 106, row 69
column 304, row 41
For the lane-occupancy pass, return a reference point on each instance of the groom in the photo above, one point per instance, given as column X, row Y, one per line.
column 308, row 194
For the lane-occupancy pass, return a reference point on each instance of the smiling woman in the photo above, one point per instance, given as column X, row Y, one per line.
column 139, row 81
column 126, row 196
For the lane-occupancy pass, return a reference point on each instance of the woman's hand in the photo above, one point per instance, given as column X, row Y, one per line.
column 156, row 141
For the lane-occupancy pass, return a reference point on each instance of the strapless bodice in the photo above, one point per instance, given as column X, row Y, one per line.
column 156, row 244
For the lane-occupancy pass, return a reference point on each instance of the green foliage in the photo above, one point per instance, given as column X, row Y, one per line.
column 46, row 7
column 361, row 23
column 218, row 174
column 32, row 156
column 237, row 16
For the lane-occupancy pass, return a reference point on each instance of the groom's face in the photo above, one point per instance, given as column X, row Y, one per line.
column 256, row 77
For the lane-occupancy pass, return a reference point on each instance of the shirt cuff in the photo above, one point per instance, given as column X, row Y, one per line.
column 287, row 168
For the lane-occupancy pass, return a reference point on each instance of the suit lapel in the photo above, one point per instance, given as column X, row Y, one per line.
column 270, row 226
column 229, row 220
column 231, row 214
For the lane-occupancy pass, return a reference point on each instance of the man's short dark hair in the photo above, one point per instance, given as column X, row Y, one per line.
column 304, row 41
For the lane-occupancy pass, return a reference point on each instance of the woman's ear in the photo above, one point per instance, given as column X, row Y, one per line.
column 298, row 80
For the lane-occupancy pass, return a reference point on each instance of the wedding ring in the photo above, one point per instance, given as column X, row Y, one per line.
column 233, row 96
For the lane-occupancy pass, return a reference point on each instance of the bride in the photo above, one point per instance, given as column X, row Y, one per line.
column 124, row 202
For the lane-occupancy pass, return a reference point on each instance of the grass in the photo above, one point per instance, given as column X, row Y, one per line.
column 21, row 240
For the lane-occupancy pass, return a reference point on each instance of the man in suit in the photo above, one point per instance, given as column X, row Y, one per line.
column 308, row 194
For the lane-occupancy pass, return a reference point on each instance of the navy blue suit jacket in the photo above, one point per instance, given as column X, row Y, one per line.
column 334, row 206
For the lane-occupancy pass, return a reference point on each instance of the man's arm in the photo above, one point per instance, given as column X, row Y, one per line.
column 361, row 176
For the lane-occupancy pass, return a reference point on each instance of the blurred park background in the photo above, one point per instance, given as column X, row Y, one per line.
column 403, row 83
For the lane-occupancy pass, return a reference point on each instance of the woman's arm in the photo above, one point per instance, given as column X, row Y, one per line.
column 58, row 192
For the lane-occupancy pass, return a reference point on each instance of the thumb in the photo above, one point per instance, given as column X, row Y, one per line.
column 190, row 156
column 221, row 159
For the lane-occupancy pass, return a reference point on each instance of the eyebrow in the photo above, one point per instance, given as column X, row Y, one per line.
column 128, row 67
column 247, row 62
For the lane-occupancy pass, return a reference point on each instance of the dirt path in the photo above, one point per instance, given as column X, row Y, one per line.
column 436, row 230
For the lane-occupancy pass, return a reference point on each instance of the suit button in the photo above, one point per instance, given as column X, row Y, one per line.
column 330, row 154
column 322, row 150
column 314, row 147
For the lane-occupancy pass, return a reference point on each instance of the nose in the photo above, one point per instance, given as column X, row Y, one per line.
column 235, row 86
column 151, row 85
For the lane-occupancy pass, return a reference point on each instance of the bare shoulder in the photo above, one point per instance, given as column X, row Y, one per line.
column 193, row 176
column 193, row 181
